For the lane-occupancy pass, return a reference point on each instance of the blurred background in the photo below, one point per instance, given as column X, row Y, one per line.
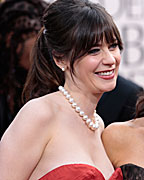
column 128, row 15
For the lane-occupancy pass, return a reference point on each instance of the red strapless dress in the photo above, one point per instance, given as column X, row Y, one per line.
column 79, row 172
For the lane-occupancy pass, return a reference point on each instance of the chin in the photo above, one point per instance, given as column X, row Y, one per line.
column 108, row 88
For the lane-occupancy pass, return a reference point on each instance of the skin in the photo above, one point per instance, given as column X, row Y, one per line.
column 48, row 133
column 124, row 142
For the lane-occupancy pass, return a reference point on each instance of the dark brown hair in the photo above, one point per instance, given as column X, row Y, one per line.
column 19, row 20
column 71, row 29
column 140, row 106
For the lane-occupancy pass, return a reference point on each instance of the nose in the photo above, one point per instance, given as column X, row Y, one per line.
column 108, row 58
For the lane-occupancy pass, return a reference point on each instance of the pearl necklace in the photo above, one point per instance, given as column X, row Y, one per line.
column 92, row 124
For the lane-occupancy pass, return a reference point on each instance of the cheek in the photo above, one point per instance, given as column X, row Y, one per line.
column 86, row 66
column 91, row 64
column 119, row 59
column 117, row 56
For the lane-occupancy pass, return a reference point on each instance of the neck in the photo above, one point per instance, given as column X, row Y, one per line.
column 92, row 123
column 87, row 101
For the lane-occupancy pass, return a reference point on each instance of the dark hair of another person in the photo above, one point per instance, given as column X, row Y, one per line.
column 19, row 20
column 71, row 29
column 140, row 106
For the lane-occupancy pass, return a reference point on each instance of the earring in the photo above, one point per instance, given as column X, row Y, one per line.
column 63, row 69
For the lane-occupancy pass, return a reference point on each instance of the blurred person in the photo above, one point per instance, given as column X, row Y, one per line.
column 74, row 61
column 124, row 144
column 19, row 25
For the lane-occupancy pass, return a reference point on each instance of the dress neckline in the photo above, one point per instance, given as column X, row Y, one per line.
column 80, row 165
column 72, row 164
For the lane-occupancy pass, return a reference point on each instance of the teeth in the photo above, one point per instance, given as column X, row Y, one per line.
column 105, row 73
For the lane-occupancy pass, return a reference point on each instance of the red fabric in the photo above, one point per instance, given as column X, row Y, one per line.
column 117, row 175
column 79, row 172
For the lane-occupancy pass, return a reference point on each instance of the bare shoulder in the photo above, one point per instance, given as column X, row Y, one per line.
column 112, row 130
column 27, row 136
column 35, row 112
column 34, row 117
column 36, row 108
column 114, row 140
column 115, row 132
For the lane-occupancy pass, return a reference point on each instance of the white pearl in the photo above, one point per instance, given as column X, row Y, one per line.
column 94, row 127
column 65, row 93
column 74, row 105
column 60, row 88
column 68, row 96
column 90, row 124
column 81, row 113
column 71, row 100
column 88, row 121
column 85, row 117
column 77, row 109
column 63, row 69
column 97, row 125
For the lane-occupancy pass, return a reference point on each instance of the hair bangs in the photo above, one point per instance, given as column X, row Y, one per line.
column 93, row 28
column 89, row 27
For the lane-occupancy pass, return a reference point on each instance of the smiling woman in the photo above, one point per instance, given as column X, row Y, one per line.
column 99, row 68
column 75, row 59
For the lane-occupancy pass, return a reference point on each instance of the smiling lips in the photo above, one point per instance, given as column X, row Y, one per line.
column 106, row 74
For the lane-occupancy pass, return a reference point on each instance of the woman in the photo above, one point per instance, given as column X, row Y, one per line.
column 19, row 25
column 124, row 143
column 55, row 136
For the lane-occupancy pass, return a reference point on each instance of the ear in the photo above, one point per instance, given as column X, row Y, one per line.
column 60, row 61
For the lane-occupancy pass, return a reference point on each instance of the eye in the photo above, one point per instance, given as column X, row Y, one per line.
column 94, row 51
column 113, row 46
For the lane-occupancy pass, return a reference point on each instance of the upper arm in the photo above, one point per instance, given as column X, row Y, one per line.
column 23, row 143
